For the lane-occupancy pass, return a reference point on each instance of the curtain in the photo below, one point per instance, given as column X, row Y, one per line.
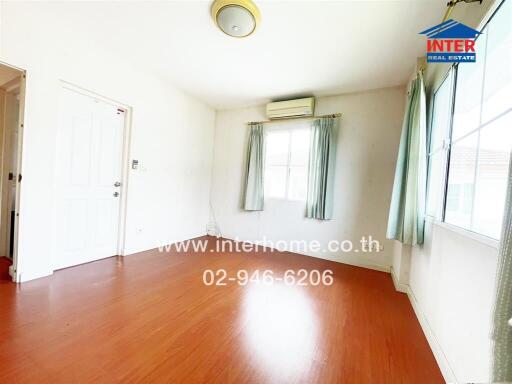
column 253, row 188
column 407, row 210
column 322, row 159
column 502, row 332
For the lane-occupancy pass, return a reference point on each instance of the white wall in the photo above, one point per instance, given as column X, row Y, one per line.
column 367, row 148
column 172, row 135
column 452, row 280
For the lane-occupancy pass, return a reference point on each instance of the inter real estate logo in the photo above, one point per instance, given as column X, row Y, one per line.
column 451, row 42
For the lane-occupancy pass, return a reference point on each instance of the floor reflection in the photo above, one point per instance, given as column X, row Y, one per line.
column 280, row 329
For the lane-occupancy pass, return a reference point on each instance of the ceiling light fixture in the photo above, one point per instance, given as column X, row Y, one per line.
column 236, row 18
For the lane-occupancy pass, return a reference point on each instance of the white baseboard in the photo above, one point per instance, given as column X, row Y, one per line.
column 400, row 287
column 24, row 276
column 435, row 346
column 143, row 248
column 343, row 259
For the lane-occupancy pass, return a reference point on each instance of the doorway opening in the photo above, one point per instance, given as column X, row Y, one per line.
column 12, row 86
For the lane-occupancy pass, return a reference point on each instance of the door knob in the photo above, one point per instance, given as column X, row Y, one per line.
column 116, row 194
column 117, row 184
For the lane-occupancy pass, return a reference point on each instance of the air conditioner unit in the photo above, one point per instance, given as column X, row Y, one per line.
column 291, row 108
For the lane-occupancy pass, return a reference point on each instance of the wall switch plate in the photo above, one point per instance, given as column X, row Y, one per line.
column 135, row 164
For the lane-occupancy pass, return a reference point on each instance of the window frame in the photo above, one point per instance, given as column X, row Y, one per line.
column 445, row 149
column 449, row 144
column 286, row 126
column 440, row 220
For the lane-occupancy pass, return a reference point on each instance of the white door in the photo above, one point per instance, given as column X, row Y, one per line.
column 89, row 153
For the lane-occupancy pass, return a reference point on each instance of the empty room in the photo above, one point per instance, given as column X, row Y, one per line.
column 256, row 191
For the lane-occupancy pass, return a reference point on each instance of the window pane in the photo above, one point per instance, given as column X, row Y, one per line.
column 461, row 179
column 441, row 113
column 300, row 147
column 275, row 181
column 468, row 93
column 436, row 182
column 277, row 147
column 498, row 65
column 491, row 184
column 298, row 188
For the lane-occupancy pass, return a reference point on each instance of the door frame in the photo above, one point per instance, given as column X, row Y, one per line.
column 125, row 156
column 13, row 88
column 13, row 269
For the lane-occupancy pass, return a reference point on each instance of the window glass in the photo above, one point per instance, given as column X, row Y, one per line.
column 277, row 147
column 482, row 131
column 275, row 181
column 492, row 172
column 286, row 162
column 441, row 114
column 498, row 65
column 468, row 94
column 461, row 181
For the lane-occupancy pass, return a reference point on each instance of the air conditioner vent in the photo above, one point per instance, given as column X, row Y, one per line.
column 291, row 108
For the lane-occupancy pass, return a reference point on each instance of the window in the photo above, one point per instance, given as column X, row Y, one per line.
column 438, row 145
column 481, row 133
column 286, row 162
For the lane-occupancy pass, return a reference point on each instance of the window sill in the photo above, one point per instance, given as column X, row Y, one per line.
column 466, row 233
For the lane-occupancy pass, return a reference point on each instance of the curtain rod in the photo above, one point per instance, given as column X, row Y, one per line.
column 332, row 116
column 452, row 3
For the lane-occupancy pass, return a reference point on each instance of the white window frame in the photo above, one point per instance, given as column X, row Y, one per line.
column 440, row 219
column 444, row 148
column 288, row 128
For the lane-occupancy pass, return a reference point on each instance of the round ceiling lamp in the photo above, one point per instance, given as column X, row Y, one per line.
column 237, row 18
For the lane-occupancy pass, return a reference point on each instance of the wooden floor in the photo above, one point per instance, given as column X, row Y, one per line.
column 149, row 318
column 5, row 263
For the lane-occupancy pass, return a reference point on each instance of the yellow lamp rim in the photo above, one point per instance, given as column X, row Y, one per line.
column 247, row 4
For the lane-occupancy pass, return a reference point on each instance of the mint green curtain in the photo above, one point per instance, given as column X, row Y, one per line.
column 253, row 188
column 322, row 161
column 502, row 332
column 407, row 211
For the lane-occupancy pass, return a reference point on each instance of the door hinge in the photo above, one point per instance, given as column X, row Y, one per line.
column 19, row 177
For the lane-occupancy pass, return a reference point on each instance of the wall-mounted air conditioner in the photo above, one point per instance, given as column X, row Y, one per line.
column 291, row 108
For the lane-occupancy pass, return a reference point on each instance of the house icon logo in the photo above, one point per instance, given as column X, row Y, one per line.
column 451, row 42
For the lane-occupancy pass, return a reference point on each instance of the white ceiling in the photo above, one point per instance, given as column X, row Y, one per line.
column 300, row 47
